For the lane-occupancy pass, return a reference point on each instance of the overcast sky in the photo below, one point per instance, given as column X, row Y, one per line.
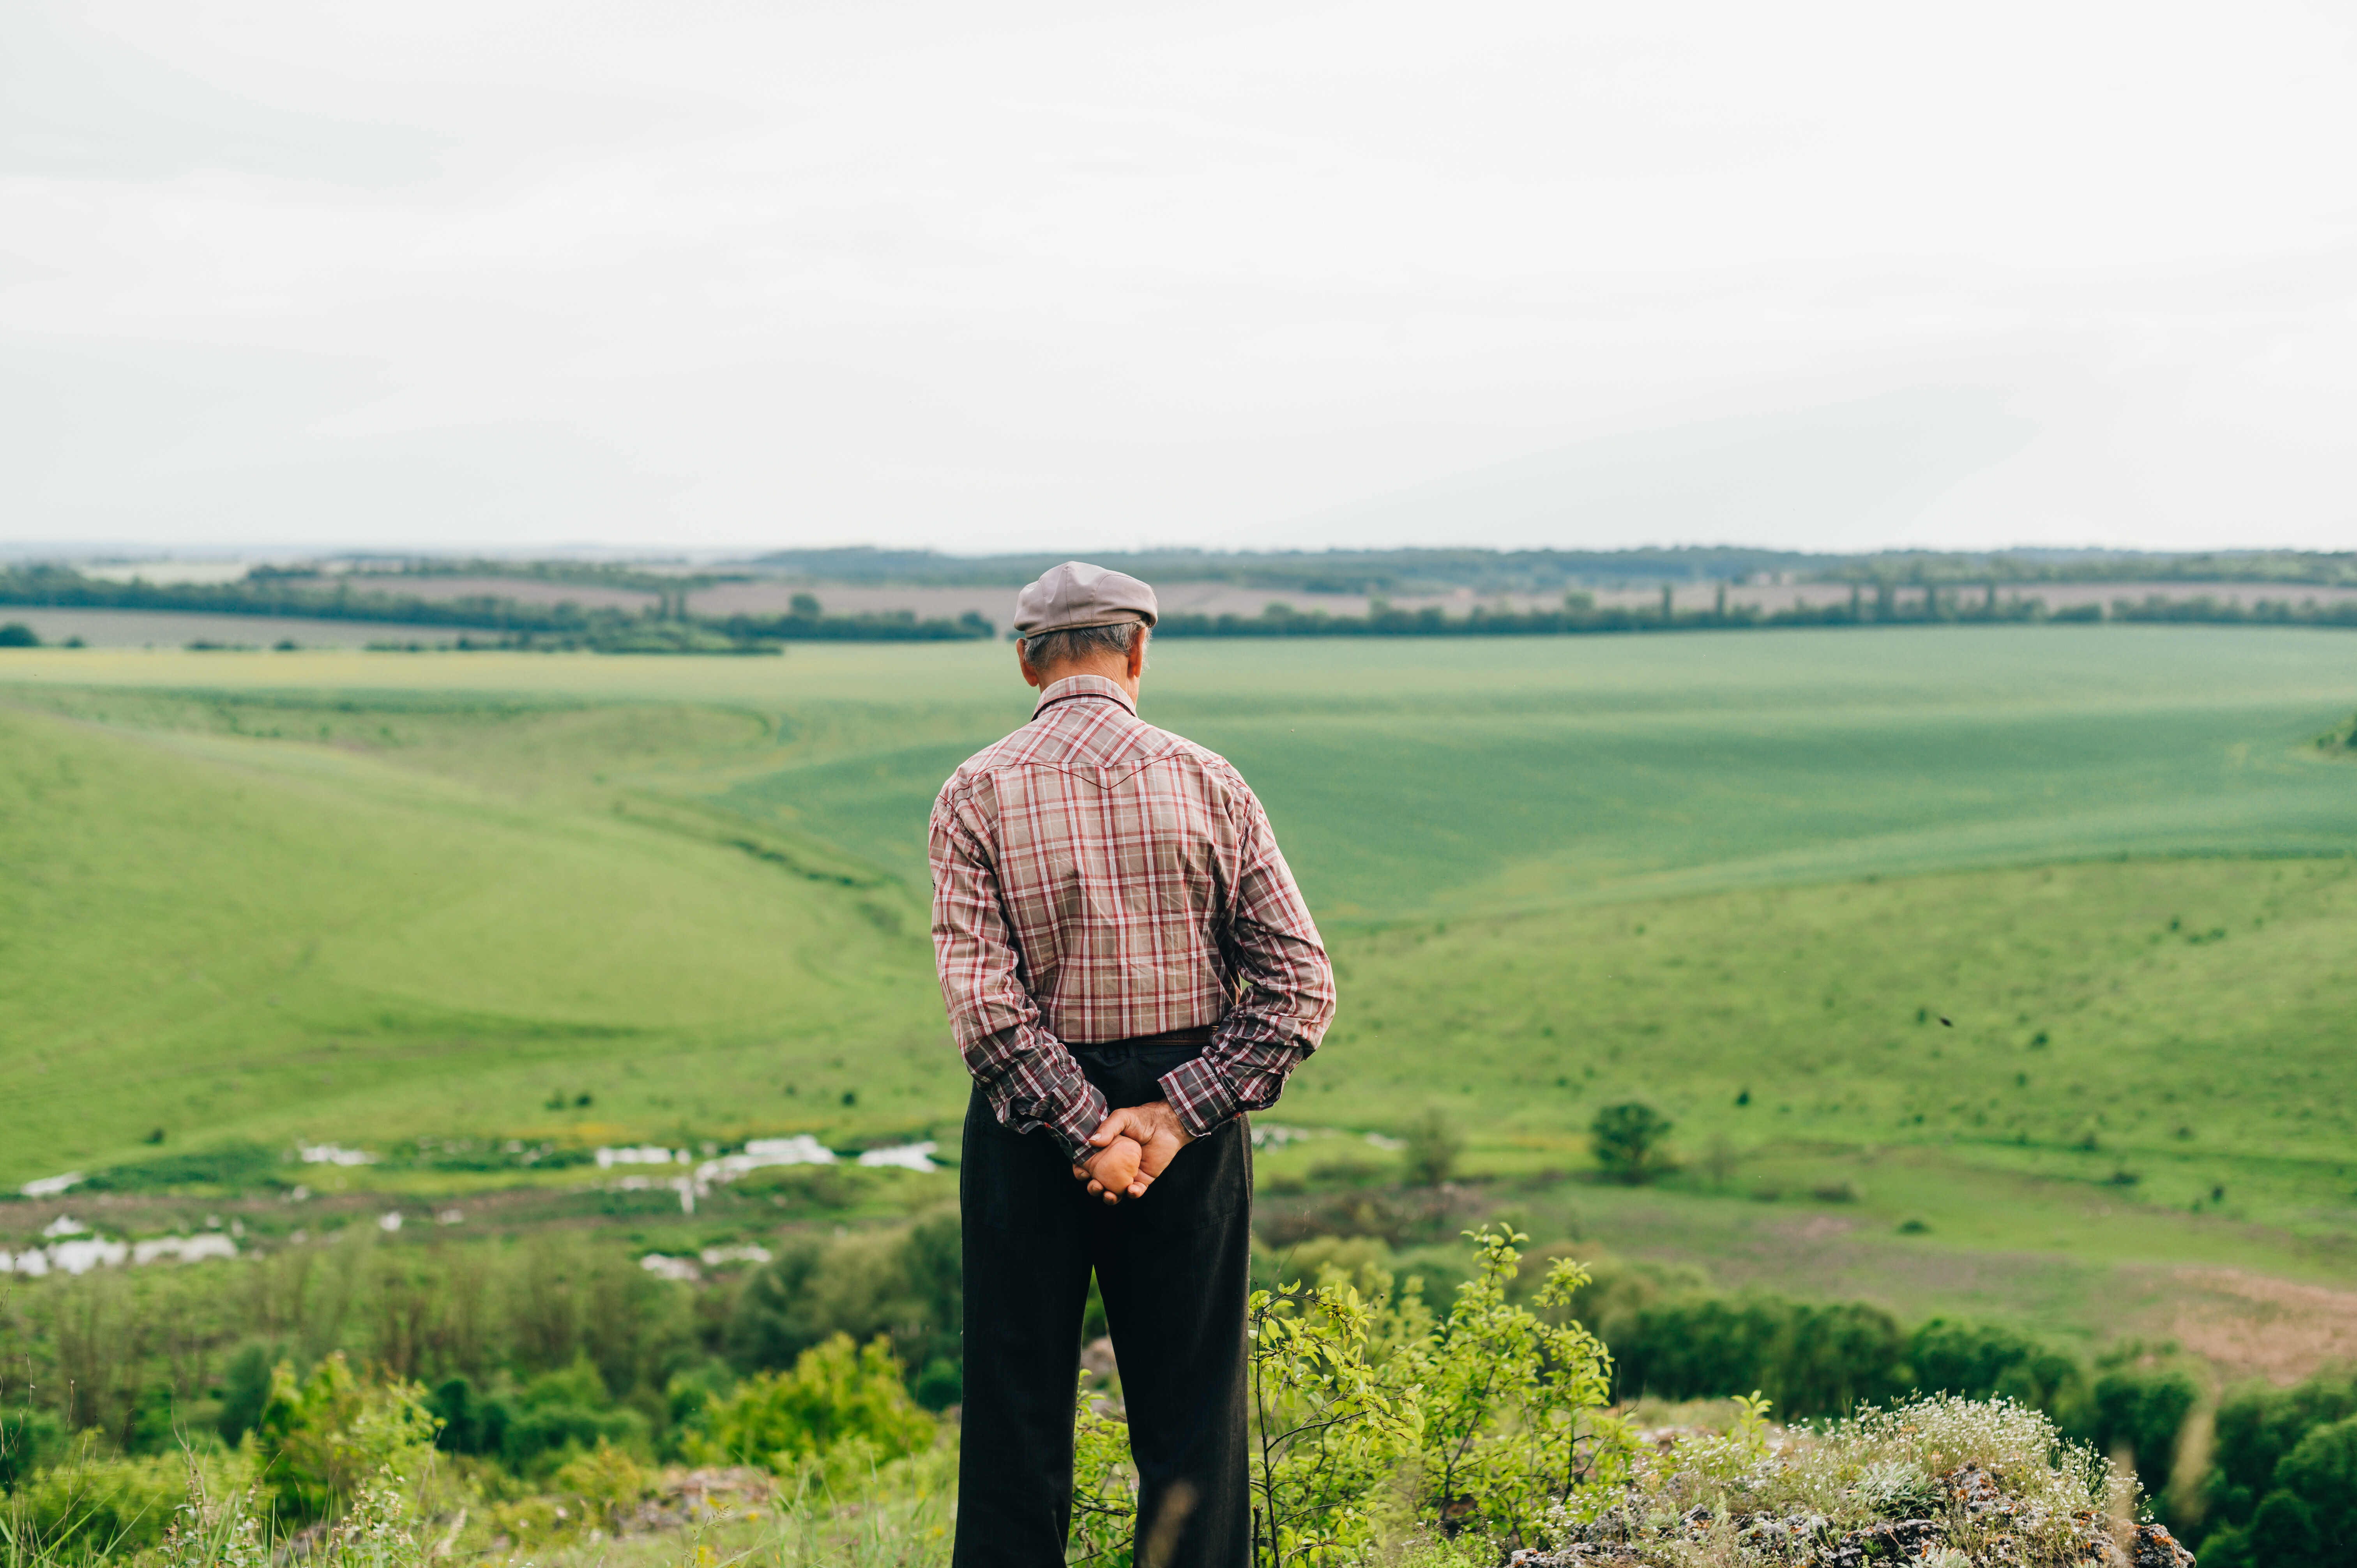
column 990, row 275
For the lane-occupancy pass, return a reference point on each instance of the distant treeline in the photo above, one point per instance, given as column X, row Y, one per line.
column 1580, row 613
column 1548, row 570
column 665, row 626
column 1317, row 572
column 484, row 621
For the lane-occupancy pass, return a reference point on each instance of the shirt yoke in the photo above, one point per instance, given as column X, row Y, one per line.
column 1098, row 740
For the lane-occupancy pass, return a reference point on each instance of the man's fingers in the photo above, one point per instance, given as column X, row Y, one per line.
column 1114, row 1125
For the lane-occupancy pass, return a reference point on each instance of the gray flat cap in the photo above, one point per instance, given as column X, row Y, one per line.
column 1077, row 594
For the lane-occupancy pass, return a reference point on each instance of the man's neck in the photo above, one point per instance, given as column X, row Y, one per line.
column 1112, row 667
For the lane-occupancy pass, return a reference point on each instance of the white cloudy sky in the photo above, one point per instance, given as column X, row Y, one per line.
column 1005, row 274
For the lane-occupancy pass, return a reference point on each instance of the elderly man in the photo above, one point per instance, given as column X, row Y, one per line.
column 1128, row 968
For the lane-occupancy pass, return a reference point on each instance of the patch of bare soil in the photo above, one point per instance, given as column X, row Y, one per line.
column 2252, row 1326
column 1834, row 1256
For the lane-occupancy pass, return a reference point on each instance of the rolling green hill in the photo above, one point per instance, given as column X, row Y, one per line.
column 274, row 896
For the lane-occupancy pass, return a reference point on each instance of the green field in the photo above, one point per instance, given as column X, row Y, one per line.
column 368, row 897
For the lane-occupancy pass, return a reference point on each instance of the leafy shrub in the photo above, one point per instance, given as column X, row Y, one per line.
column 836, row 1394
column 1628, row 1139
column 2283, row 1530
column 1104, row 1485
column 470, row 1421
column 907, row 1284
column 2257, row 1427
column 245, row 1389
column 778, row 1315
column 1432, row 1147
column 2309, row 1512
column 2322, row 1473
column 1982, row 1361
column 319, row 1439
column 29, row 1439
column 98, row 1504
column 1811, row 1359
column 1366, row 1406
column 1509, row 1399
column 2141, row 1411
column 606, row 1485
column 562, row 1412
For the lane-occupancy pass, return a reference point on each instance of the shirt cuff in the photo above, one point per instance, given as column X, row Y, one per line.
column 1200, row 1095
column 1071, row 1126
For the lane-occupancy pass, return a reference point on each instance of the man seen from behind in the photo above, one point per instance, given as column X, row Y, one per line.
column 1128, row 968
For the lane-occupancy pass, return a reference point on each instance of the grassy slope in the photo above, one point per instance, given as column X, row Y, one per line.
column 218, row 938
column 468, row 882
column 2190, row 1063
column 1469, row 777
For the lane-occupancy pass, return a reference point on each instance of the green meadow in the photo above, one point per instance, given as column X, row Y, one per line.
column 2036, row 940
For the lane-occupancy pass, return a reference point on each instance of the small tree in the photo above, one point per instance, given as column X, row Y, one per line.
column 1489, row 1421
column 1628, row 1138
column 1433, row 1145
column 1513, row 1406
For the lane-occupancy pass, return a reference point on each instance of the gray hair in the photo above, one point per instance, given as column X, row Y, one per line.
column 1049, row 649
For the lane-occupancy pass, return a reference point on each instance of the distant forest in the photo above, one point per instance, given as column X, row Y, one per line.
column 1945, row 587
column 1553, row 571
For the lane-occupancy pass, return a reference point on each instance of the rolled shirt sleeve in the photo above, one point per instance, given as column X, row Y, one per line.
column 1030, row 1079
column 1282, row 983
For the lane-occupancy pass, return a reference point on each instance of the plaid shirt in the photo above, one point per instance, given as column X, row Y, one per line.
column 1095, row 879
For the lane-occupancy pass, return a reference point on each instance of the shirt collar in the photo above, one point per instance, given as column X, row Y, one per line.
column 1073, row 686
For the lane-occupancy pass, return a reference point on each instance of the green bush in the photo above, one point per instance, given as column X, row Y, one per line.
column 470, row 1421
column 2142, row 1411
column 560, row 1413
column 2283, row 1532
column 1982, row 1361
column 2257, row 1428
column 29, row 1439
column 905, row 1285
column 97, row 1504
column 836, row 1394
column 1809, row 1358
column 1433, row 1145
column 245, row 1389
column 2322, row 1476
column 1374, row 1422
column 319, row 1439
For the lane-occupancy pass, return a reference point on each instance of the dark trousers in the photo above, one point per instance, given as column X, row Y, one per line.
column 1172, row 1267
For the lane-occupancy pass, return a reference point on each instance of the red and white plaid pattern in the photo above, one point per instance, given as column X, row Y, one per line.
column 1096, row 879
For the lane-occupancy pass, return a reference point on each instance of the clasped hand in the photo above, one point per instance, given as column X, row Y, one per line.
column 1135, row 1145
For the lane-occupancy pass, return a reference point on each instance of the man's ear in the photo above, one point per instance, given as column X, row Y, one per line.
column 1137, row 654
